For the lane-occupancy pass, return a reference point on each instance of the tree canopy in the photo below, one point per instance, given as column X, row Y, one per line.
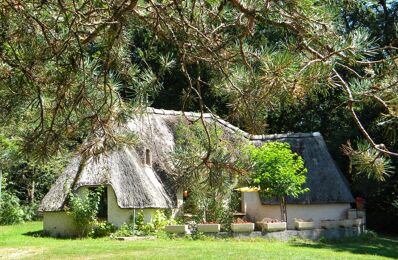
column 72, row 70
column 68, row 66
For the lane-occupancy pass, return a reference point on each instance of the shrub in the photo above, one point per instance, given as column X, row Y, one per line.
column 84, row 209
column 124, row 230
column 10, row 209
column 30, row 212
column 101, row 229
column 159, row 221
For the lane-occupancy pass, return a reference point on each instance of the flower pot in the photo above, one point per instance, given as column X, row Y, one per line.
column 360, row 203
column 329, row 224
column 357, row 222
column 209, row 228
column 304, row 225
column 242, row 227
column 272, row 227
column 346, row 223
column 176, row 229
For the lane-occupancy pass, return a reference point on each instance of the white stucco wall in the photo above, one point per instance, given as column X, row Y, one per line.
column 62, row 224
column 117, row 216
column 59, row 224
column 253, row 208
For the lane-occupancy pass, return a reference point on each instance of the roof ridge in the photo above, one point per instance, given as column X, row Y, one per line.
column 231, row 126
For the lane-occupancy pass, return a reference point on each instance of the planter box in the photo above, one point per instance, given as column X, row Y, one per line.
column 209, row 228
column 177, row 229
column 352, row 214
column 346, row 223
column 357, row 222
column 242, row 227
column 304, row 225
column 330, row 224
column 271, row 227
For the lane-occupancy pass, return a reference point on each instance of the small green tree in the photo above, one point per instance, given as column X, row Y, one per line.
column 278, row 171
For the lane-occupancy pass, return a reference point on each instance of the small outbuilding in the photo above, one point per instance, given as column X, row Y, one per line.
column 138, row 176
column 329, row 197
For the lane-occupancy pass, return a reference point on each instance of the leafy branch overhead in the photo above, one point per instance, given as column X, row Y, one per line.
column 74, row 69
column 209, row 171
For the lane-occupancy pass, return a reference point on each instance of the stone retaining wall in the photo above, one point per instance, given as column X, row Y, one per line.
column 314, row 234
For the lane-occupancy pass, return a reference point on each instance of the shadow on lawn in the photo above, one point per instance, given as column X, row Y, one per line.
column 41, row 233
column 381, row 246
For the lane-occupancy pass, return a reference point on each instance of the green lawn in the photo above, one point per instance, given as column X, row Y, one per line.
column 22, row 242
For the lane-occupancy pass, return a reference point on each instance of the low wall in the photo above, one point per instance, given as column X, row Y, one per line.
column 314, row 234
column 256, row 211
column 286, row 235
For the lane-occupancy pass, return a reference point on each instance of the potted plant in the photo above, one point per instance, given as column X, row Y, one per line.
column 301, row 224
column 271, row 225
column 329, row 223
column 209, row 227
column 360, row 203
column 242, row 226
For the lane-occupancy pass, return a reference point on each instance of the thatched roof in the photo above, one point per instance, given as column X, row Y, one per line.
column 138, row 186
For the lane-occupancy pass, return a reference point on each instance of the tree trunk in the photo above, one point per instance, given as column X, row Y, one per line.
column 282, row 204
column 32, row 192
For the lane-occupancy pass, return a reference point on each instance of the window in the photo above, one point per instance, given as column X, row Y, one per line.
column 148, row 157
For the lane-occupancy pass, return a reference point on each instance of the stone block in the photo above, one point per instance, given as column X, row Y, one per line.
column 304, row 225
column 177, row 229
column 209, row 228
column 242, row 227
column 272, row 227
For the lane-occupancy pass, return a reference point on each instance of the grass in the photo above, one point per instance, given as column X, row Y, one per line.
column 23, row 242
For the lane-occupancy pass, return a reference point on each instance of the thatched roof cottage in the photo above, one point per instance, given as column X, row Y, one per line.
column 137, row 177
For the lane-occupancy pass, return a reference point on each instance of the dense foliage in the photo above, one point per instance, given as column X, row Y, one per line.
column 208, row 165
column 83, row 207
column 278, row 172
column 136, row 226
column 10, row 210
